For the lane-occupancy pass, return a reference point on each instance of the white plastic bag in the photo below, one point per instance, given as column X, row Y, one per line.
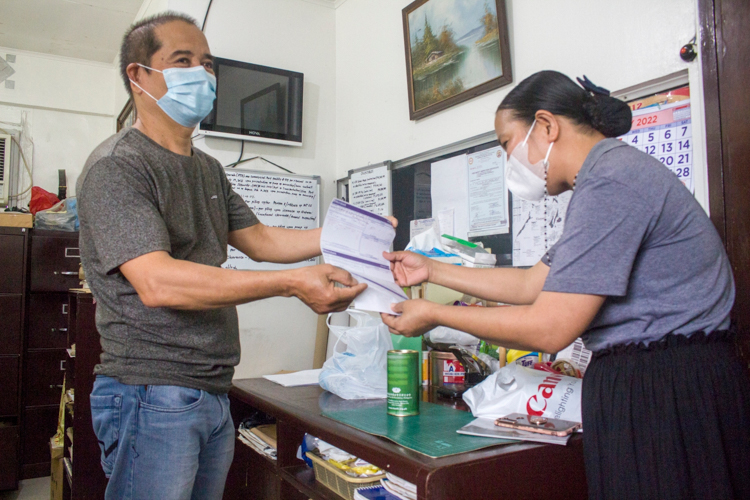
column 360, row 370
column 516, row 389
column 445, row 335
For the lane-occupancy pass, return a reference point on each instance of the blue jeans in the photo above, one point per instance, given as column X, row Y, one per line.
column 162, row 442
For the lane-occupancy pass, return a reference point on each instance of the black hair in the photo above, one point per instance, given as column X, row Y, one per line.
column 140, row 41
column 554, row 92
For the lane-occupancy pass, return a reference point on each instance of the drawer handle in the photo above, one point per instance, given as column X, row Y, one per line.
column 65, row 308
column 67, row 273
column 59, row 330
column 62, row 365
column 60, row 386
column 72, row 252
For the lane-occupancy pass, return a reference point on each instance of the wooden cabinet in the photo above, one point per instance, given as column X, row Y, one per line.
column 44, row 371
column 53, row 260
column 9, row 435
column 13, row 250
column 87, row 480
column 9, row 386
column 13, row 258
column 48, row 325
column 11, row 323
column 517, row 471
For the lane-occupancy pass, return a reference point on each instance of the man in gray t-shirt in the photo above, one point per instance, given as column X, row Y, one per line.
column 156, row 217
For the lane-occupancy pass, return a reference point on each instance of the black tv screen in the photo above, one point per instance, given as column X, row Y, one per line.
column 256, row 102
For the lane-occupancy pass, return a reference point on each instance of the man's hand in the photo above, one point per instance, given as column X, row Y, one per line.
column 315, row 286
column 417, row 317
column 409, row 268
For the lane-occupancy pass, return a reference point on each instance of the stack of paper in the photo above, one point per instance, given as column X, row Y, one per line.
column 374, row 493
column 485, row 427
column 398, row 487
column 295, row 379
column 261, row 438
column 355, row 239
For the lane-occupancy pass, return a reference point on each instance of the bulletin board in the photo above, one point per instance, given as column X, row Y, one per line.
column 278, row 200
column 661, row 127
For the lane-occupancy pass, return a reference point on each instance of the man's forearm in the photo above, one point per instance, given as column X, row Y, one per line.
column 180, row 284
column 276, row 244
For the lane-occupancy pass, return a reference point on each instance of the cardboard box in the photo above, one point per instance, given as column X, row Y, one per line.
column 15, row 219
column 58, row 474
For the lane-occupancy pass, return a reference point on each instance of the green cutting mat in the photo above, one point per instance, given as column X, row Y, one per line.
column 432, row 432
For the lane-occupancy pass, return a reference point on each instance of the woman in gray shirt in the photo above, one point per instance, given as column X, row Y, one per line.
column 639, row 272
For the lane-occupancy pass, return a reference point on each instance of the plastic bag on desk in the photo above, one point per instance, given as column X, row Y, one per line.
column 61, row 217
column 360, row 370
column 515, row 389
column 445, row 335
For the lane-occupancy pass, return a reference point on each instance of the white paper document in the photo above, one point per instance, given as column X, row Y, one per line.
column 529, row 226
column 488, row 198
column 296, row 379
column 417, row 227
column 371, row 189
column 449, row 192
column 355, row 239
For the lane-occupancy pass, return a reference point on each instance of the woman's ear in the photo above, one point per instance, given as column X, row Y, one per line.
column 549, row 124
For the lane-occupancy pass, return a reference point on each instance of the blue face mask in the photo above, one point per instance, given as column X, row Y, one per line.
column 190, row 94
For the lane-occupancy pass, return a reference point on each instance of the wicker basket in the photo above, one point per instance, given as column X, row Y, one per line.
column 336, row 480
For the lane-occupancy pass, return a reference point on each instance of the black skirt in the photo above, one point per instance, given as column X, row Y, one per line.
column 671, row 420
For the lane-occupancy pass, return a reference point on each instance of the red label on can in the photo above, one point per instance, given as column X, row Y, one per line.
column 453, row 372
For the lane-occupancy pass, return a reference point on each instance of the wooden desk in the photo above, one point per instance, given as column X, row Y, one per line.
column 514, row 471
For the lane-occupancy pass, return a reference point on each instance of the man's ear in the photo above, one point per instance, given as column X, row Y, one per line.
column 134, row 75
column 549, row 124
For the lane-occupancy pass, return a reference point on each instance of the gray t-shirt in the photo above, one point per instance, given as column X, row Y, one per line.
column 136, row 197
column 634, row 234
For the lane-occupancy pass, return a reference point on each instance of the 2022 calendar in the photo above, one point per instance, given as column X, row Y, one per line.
column 664, row 131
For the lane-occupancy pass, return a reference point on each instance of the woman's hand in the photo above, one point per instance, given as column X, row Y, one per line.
column 409, row 268
column 417, row 317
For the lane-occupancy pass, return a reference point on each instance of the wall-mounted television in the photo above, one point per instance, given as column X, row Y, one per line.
column 256, row 103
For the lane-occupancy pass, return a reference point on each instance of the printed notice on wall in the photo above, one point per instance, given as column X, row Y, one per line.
column 291, row 202
column 533, row 233
column 370, row 189
column 488, row 198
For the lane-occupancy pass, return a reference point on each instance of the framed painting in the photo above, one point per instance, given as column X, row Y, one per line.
column 127, row 115
column 455, row 50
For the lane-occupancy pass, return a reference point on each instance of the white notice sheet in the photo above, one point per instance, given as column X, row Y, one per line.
column 488, row 198
column 371, row 189
column 449, row 192
column 355, row 239
column 529, row 226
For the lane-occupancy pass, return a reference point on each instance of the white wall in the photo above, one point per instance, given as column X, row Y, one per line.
column 300, row 36
column 148, row 8
column 607, row 41
column 68, row 105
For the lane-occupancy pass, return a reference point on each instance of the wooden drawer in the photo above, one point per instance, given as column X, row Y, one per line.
column 9, row 439
column 43, row 376
column 48, row 321
column 11, row 263
column 9, row 386
column 39, row 425
column 11, row 324
column 54, row 263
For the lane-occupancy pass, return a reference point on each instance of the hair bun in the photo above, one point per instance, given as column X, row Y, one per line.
column 612, row 117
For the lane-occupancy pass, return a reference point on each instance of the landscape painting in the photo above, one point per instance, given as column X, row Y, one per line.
column 455, row 50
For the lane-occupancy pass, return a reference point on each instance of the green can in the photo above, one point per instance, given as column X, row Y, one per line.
column 404, row 385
